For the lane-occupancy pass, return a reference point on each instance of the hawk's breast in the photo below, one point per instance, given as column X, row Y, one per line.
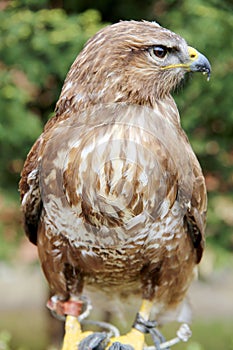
column 109, row 183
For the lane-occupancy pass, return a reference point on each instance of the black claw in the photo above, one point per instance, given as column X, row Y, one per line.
column 118, row 346
column 95, row 341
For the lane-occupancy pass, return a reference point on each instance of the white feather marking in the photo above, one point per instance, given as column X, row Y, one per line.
column 79, row 97
column 50, row 177
column 68, row 86
column 169, row 247
column 139, row 219
column 33, row 174
column 59, row 160
column 164, row 208
column 87, row 150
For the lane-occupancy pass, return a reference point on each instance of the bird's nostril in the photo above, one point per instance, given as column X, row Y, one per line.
column 192, row 53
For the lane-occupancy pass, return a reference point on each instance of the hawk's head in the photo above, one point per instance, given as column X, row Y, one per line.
column 135, row 62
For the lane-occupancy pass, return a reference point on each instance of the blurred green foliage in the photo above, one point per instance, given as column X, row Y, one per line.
column 5, row 338
column 40, row 39
column 36, row 49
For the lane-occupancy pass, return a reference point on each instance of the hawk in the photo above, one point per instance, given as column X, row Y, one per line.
column 112, row 192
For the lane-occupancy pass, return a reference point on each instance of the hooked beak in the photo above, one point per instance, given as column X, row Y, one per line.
column 198, row 62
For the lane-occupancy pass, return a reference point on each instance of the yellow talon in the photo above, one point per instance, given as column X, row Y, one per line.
column 73, row 333
column 135, row 338
column 145, row 309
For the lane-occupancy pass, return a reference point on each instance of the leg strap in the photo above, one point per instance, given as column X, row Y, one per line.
column 62, row 308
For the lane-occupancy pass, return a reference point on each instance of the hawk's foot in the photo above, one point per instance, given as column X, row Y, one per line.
column 134, row 340
column 73, row 311
column 94, row 341
column 73, row 333
column 119, row 346
column 149, row 327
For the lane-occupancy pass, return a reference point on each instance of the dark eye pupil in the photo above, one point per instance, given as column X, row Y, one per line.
column 160, row 51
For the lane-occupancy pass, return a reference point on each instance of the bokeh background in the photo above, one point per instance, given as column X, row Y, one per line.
column 38, row 42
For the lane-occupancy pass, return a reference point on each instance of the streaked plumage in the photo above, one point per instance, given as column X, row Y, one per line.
column 112, row 193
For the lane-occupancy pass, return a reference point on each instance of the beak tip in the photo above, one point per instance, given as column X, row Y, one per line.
column 206, row 71
column 201, row 64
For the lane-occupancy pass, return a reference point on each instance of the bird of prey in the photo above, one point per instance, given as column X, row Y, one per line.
column 112, row 192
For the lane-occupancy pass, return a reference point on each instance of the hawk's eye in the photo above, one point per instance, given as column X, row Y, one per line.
column 159, row 51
